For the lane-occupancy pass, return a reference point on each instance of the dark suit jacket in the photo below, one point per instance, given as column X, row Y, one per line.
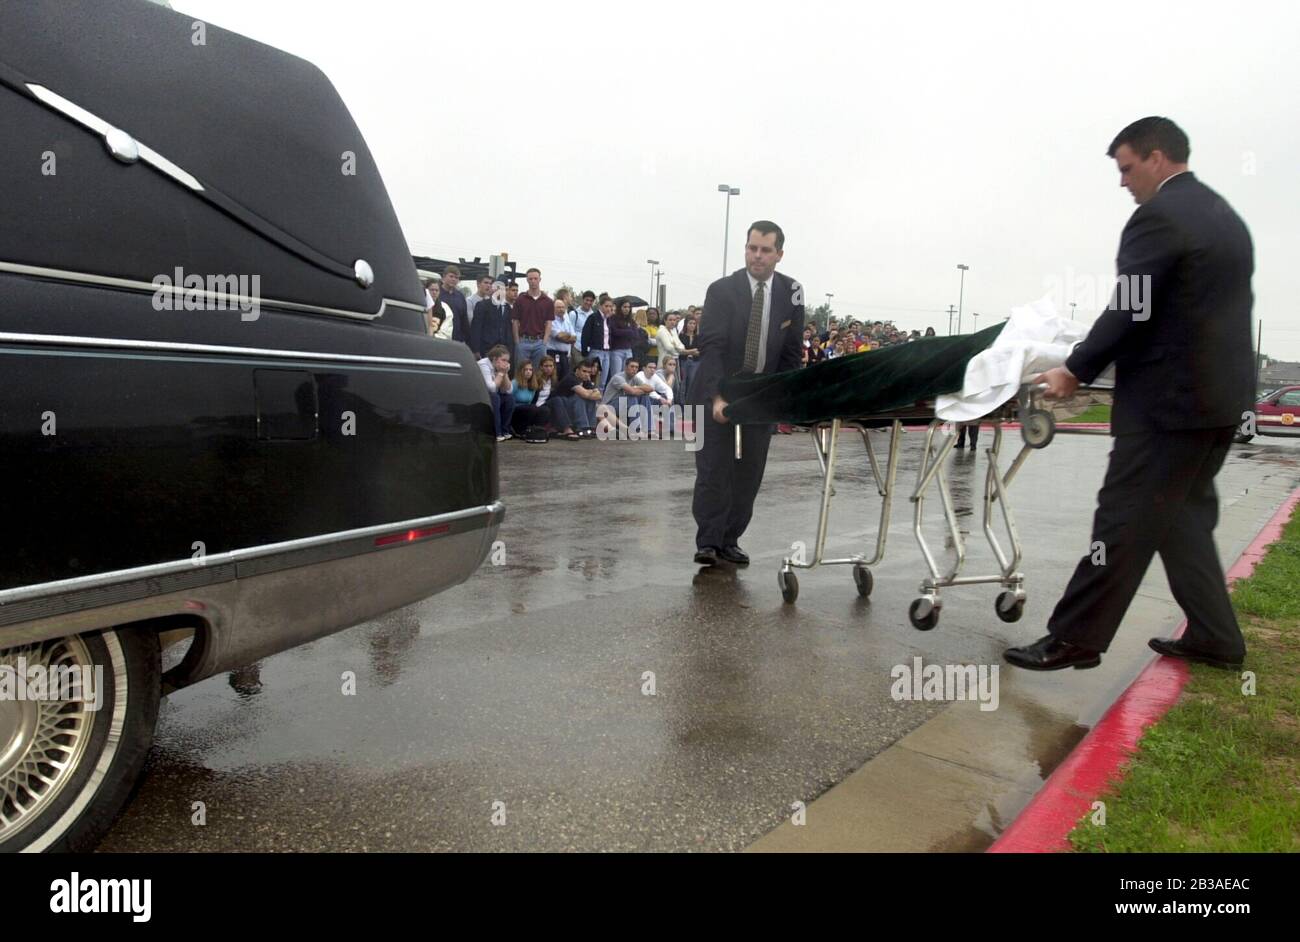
column 721, row 340
column 1182, row 352
column 459, row 314
column 491, row 326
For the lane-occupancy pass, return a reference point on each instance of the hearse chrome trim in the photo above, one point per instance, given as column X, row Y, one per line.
column 119, row 143
column 115, row 343
column 494, row 512
column 229, row 300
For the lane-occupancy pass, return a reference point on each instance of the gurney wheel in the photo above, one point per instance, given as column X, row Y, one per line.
column 789, row 586
column 864, row 579
column 923, row 614
column 1038, row 428
column 1009, row 606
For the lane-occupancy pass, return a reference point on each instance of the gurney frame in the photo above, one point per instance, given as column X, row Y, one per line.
column 1037, row 431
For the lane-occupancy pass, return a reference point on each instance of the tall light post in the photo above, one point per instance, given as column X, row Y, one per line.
column 960, row 291
column 652, row 262
column 726, row 228
column 976, row 317
column 1072, row 307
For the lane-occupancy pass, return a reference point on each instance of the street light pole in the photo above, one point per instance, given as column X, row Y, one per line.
column 726, row 228
column 976, row 317
column 652, row 263
column 960, row 292
column 1072, row 307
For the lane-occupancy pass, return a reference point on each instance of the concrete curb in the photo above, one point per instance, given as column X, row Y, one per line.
column 1067, row 795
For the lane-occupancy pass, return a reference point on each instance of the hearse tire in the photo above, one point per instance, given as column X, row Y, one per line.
column 103, row 771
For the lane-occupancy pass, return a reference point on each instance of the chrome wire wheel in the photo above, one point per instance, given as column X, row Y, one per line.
column 43, row 739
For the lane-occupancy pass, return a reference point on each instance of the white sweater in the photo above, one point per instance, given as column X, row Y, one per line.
column 670, row 345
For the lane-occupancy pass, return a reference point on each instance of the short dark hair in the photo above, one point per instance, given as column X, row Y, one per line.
column 631, row 361
column 766, row 227
column 451, row 270
column 1148, row 134
column 531, row 270
column 590, row 363
column 588, row 294
column 498, row 351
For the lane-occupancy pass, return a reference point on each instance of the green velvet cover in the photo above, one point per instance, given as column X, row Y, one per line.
column 856, row 385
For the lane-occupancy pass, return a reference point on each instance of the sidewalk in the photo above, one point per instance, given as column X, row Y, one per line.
column 957, row 781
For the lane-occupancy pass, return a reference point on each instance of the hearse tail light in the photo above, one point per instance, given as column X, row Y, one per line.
column 410, row 536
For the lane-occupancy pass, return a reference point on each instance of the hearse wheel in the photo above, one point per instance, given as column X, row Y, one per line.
column 70, row 756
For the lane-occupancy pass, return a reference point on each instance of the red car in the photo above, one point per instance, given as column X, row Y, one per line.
column 1277, row 413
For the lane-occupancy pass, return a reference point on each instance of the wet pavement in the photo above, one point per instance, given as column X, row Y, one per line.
column 516, row 711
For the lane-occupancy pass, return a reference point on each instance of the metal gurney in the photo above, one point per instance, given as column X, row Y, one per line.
column 1037, row 431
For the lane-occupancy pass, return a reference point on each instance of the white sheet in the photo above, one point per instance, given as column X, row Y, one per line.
column 1035, row 339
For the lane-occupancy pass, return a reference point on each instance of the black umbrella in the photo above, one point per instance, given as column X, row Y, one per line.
column 636, row 302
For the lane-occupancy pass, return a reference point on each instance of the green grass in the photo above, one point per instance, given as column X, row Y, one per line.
column 1094, row 413
column 1221, row 770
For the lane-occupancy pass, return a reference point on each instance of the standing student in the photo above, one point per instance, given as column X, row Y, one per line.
column 532, row 315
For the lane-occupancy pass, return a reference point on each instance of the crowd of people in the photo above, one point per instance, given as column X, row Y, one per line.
column 557, row 367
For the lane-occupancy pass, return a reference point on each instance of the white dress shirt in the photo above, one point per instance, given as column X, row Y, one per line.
column 767, row 315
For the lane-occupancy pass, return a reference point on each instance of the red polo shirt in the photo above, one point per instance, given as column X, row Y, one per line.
column 533, row 316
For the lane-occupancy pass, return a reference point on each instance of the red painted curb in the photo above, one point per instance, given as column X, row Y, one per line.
column 1067, row 795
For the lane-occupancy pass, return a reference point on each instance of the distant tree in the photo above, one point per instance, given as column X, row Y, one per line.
column 821, row 316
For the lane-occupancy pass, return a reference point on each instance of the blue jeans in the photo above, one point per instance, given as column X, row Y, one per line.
column 636, row 406
column 686, row 367
column 503, row 409
column 617, row 360
column 603, row 357
column 574, row 412
column 532, row 350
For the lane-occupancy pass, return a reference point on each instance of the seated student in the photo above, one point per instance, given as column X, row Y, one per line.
column 573, row 404
column 662, row 394
column 528, row 390
column 668, row 373
column 495, row 368
column 624, row 385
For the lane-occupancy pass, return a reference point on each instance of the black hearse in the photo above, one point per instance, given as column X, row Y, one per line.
column 222, row 421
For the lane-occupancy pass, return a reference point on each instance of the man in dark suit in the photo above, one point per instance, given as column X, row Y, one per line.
column 491, row 324
column 752, row 323
column 1178, row 331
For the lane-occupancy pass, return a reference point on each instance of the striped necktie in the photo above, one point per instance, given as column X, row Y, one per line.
column 754, row 333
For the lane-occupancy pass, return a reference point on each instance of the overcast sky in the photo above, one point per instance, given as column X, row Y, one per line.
column 890, row 144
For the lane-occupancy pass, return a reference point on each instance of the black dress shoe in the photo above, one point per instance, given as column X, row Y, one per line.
column 1177, row 647
column 1049, row 653
column 734, row 554
column 706, row 556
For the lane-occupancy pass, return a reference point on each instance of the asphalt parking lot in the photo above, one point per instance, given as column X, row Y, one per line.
column 515, row 711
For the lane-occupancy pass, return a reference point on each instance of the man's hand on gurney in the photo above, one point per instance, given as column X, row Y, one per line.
column 1061, row 383
column 718, row 405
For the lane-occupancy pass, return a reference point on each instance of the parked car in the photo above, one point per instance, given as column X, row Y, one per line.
column 223, row 424
column 1277, row 413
